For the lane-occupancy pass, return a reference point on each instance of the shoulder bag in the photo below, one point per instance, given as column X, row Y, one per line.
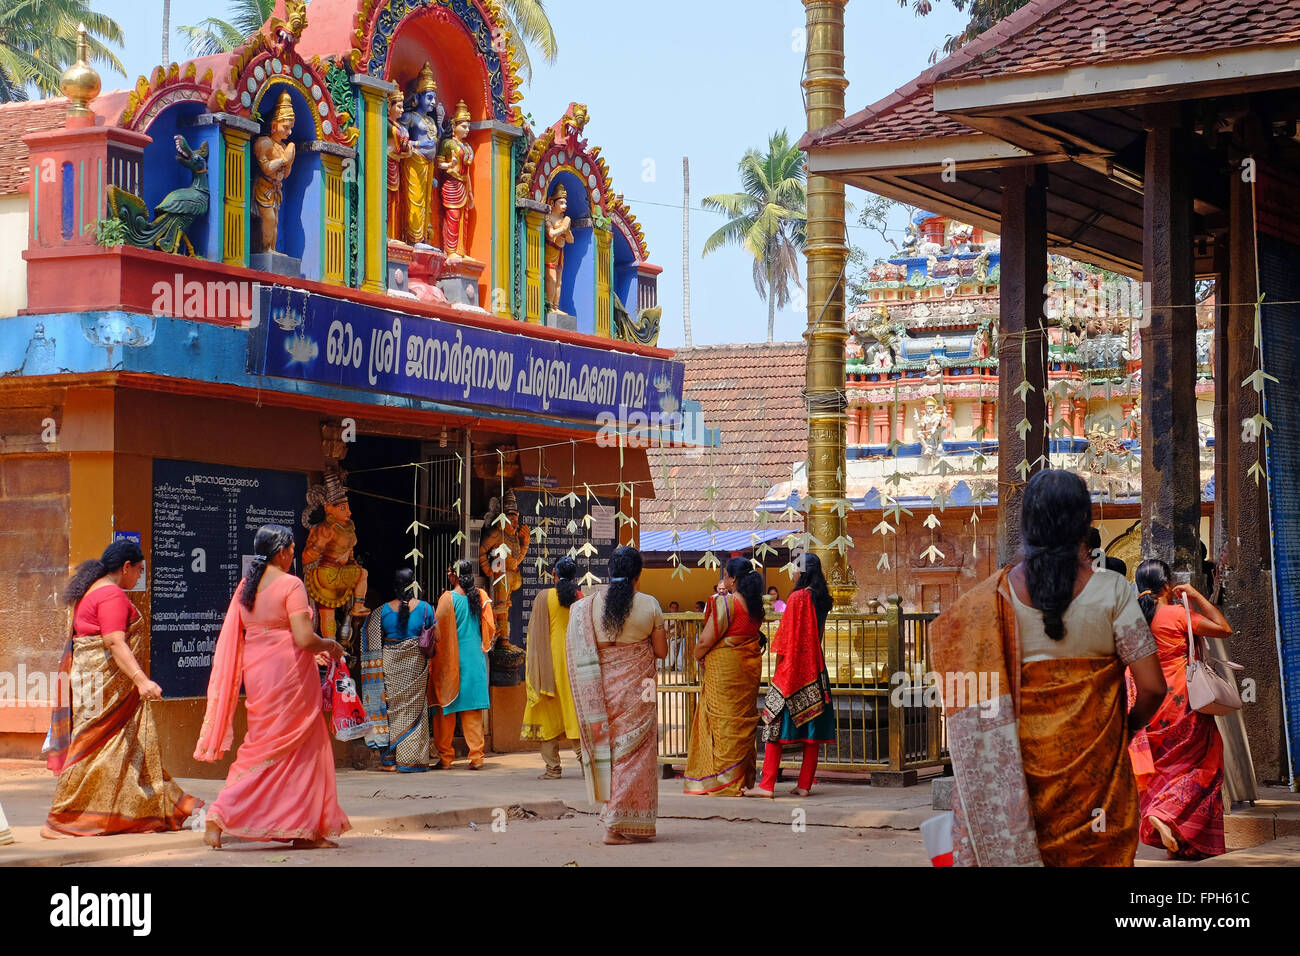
column 1208, row 691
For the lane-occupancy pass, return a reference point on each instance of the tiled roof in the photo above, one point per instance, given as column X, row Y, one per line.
column 908, row 112
column 16, row 120
column 1064, row 37
column 754, row 394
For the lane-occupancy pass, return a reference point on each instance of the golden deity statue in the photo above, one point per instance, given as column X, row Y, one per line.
column 275, row 155
column 421, row 121
column 333, row 577
column 399, row 148
column 502, row 550
column 455, row 159
column 559, row 233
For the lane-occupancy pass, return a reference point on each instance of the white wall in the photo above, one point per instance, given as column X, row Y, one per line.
column 13, row 241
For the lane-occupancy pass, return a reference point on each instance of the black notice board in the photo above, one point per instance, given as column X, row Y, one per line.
column 204, row 520
column 559, row 540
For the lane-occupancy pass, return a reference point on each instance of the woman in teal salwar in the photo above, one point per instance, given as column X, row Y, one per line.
column 395, row 679
column 460, row 673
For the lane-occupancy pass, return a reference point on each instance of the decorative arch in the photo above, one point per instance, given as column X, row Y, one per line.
column 560, row 148
column 269, row 59
column 379, row 22
column 164, row 88
column 626, row 225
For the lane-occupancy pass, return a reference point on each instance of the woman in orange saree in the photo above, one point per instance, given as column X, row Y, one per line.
column 103, row 742
column 721, row 757
column 1032, row 663
column 613, row 640
column 281, row 785
column 1178, row 756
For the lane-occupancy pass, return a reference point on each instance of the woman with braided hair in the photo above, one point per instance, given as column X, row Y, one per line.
column 721, row 757
column 281, row 785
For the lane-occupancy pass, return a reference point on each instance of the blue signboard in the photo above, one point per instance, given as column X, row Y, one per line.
column 317, row 338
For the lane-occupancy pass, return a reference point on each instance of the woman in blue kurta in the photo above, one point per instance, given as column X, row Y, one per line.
column 460, row 673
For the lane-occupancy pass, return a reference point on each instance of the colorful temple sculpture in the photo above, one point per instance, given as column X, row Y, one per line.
column 332, row 280
column 921, row 385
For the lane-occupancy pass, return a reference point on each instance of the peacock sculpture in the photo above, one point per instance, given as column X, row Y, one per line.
column 171, row 217
column 643, row 330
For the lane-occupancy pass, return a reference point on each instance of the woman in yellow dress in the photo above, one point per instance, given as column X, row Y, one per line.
column 550, row 715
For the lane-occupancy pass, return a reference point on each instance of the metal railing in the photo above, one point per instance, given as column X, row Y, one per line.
column 876, row 662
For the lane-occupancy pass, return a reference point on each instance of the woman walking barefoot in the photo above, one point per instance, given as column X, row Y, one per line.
column 550, row 715
column 395, row 678
column 103, row 743
column 281, row 786
column 613, row 640
column 1178, row 756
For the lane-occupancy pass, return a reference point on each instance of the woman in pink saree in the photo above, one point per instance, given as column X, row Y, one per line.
column 281, row 785
column 613, row 639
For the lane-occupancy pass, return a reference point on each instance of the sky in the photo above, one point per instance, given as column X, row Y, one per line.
column 662, row 80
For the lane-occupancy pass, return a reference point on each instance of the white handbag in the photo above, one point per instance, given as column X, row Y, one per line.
column 1208, row 691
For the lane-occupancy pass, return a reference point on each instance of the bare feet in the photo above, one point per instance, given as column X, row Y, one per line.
column 388, row 767
column 759, row 792
column 476, row 765
column 49, row 834
column 1166, row 834
column 800, row 792
column 617, row 839
column 318, row 844
column 212, row 835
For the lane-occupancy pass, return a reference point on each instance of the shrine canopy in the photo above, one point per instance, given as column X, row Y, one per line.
column 1068, row 83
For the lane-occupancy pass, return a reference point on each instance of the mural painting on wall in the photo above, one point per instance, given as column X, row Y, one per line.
column 165, row 230
column 502, row 550
column 559, row 233
column 455, row 158
column 274, row 156
column 330, row 570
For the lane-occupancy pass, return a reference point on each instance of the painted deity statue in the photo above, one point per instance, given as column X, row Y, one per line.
column 422, row 123
column 399, row 148
column 930, row 427
column 501, row 568
column 333, row 577
column 559, row 233
column 274, row 155
column 455, row 159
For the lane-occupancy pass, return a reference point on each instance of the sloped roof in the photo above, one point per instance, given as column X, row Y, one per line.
column 754, row 394
column 16, row 121
column 1068, row 36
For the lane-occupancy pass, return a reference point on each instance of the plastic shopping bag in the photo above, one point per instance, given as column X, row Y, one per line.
column 349, row 716
column 937, row 834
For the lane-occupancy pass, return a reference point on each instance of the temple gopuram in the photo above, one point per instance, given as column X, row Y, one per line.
column 921, row 385
column 331, row 280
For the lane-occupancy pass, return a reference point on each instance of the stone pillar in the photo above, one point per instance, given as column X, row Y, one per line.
column 1171, row 493
column 1022, row 345
column 372, row 198
column 827, row 252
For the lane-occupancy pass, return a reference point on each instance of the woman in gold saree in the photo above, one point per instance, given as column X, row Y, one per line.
column 613, row 640
column 1032, row 662
column 103, row 743
column 721, row 758
column 550, row 716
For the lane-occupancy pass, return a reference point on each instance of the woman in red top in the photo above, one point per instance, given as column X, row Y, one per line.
column 1178, row 758
column 103, row 743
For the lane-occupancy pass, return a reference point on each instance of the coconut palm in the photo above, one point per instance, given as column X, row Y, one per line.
column 38, row 41
column 768, row 219
column 526, row 20
column 215, row 35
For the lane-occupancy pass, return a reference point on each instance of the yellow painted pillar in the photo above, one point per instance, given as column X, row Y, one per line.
column 604, row 265
column 87, row 435
column 235, row 209
column 334, row 239
column 534, row 286
column 503, row 216
column 372, row 163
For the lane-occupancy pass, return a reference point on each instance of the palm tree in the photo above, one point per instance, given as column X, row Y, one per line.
column 38, row 40
column 769, row 219
column 215, row 35
column 524, row 19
